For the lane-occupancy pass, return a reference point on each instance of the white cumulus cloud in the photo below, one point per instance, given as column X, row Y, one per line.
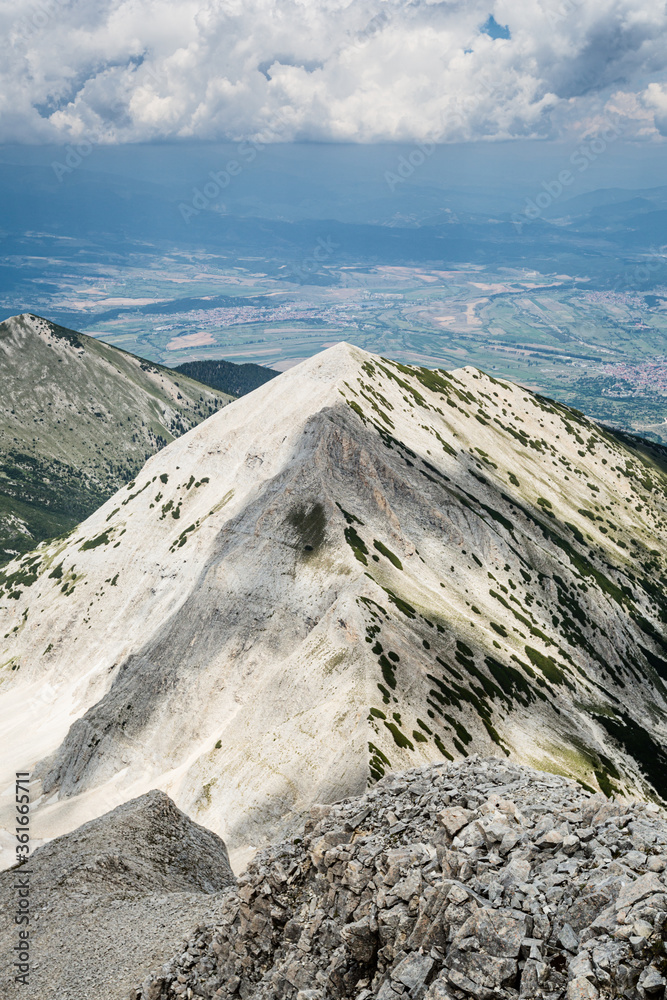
column 341, row 70
column 655, row 99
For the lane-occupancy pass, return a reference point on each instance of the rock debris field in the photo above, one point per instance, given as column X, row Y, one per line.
column 478, row 879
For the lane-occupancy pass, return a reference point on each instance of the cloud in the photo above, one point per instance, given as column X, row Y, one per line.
column 655, row 99
column 331, row 70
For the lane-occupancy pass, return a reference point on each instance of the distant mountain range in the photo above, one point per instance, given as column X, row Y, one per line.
column 237, row 380
column 79, row 419
column 360, row 567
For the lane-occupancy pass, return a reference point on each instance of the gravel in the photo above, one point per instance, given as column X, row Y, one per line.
column 111, row 899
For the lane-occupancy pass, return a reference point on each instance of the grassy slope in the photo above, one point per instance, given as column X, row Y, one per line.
column 79, row 419
column 598, row 608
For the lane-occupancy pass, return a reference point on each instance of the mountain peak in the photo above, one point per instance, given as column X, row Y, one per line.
column 335, row 361
column 80, row 419
column 30, row 325
column 360, row 566
column 129, row 884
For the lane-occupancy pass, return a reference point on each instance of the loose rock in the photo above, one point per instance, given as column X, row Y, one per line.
column 480, row 879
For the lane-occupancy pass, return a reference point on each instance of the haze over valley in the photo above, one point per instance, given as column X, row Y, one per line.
column 303, row 249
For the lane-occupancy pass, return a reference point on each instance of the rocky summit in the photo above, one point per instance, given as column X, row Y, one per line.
column 359, row 567
column 110, row 899
column 481, row 879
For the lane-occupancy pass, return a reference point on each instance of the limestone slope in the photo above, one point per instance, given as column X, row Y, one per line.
column 359, row 566
column 79, row 419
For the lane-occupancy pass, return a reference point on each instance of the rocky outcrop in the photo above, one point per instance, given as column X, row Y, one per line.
column 111, row 899
column 482, row 879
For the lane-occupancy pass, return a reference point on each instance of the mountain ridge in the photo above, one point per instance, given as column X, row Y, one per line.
column 80, row 418
column 403, row 565
column 126, row 887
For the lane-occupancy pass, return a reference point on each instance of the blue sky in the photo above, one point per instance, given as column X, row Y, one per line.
column 353, row 71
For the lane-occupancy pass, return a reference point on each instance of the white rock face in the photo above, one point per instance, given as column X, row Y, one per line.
column 359, row 566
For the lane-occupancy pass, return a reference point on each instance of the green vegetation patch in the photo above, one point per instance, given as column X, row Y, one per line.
column 400, row 739
column 402, row 605
column 547, row 665
column 417, row 396
column 377, row 762
column 388, row 553
column 133, row 495
column 310, row 524
column 437, row 380
column 575, row 531
column 513, row 683
column 386, row 697
column 387, row 671
column 441, row 747
column 183, row 537
column 357, row 544
column 227, row 376
column 350, row 518
column 461, row 730
column 24, row 576
column 639, row 744
column 357, row 409
column 92, row 543
column 657, row 662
